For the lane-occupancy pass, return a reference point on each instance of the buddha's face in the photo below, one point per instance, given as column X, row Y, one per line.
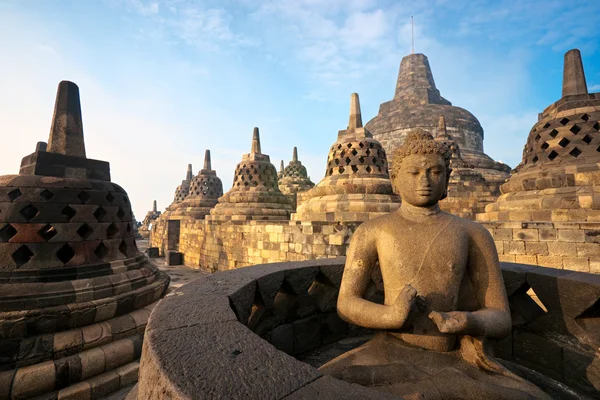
column 421, row 179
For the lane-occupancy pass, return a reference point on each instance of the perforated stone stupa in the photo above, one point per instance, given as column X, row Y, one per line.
column 254, row 194
column 417, row 103
column 150, row 217
column 294, row 179
column 204, row 192
column 468, row 192
column 183, row 190
column 549, row 210
column 356, row 186
column 75, row 292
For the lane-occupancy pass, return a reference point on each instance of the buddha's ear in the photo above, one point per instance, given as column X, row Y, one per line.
column 448, row 172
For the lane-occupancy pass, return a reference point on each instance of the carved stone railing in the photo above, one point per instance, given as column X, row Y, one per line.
column 234, row 334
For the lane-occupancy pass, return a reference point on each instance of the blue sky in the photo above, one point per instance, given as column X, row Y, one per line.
column 161, row 81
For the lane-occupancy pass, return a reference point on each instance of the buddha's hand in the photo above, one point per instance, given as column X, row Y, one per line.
column 401, row 307
column 455, row 322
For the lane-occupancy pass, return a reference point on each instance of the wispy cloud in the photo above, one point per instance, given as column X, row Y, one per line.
column 594, row 88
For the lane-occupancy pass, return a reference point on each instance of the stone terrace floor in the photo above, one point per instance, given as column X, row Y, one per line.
column 180, row 275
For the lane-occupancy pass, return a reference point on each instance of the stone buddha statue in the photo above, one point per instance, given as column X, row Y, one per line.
column 444, row 293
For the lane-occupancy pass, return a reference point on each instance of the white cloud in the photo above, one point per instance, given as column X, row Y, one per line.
column 594, row 88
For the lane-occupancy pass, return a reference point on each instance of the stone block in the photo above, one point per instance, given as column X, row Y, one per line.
column 547, row 234
column 576, row 264
column 93, row 362
column 174, row 258
column 78, row 391
column 153, row 252
column 536, row 248
column 333, row 328
column 307, row 334
column 552, row 261
column 525, row 234
column 514, row 247
column 282, row 338
column 561, row 249
column 104, row 384
column 526, row 259
column 538, row 352
column 128, row 374
column 33, row 380
column 581, row 371
column 571, row 235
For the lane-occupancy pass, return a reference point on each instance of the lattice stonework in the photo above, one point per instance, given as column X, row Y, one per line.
column 295, row 170
column 564, row 139
column 181, row 192
column 261, row 175
column 204, row 186
column 360, row 156
column 49, row 227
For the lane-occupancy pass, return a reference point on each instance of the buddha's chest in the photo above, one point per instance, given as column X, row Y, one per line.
column 432, row 258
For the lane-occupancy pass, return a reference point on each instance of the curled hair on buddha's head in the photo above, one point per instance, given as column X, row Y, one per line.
column 419, row 141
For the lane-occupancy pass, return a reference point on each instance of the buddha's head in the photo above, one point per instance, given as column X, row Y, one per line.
column 421, row 169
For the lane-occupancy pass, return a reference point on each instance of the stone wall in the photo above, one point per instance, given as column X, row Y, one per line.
column 563, row 245
column 217, row 246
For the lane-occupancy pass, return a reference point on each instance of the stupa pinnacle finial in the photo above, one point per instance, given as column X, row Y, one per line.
column 573, row 74
column 442, row 133
column 207, row 163
column 154, row 206
column 295, row 155
column 66, row 132
column 255, row 142
column 355, row 115
column 281, row 167
column 189, row 175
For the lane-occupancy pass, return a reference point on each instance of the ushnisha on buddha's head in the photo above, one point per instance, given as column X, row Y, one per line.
column 421, row 169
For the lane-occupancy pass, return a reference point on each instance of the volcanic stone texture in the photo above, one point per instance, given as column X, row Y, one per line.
column 75, row 292
column 356, row 186
column 255, row 194
column 549, row 210
column 248, row 324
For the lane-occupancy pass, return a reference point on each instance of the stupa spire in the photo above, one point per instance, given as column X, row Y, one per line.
column 573, row 75
column 281, row 166
column 442, row 133
column 66, row 132
column 189, row 175
column 154, row 206
column 295, row 155
column 207, row 163
column 355, row 120
column 255, row 142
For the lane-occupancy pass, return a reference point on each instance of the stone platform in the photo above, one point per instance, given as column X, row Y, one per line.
column 246, row 328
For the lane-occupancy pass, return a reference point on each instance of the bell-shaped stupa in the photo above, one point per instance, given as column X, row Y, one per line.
column 182, row 191
column 294, row 179
column 553, row 194
column 75, row 291
column 148, row 220
column 204, row 192
column 255, row 194
column 417, row 103
column 468, row 192
column 356, row 186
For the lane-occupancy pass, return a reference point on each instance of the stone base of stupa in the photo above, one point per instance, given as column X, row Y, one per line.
column 249, row 206
column 347, row 200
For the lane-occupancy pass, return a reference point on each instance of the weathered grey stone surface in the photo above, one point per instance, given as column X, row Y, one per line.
column 551, row 200
column 75, row 291
column 180, row 368
column 417, row 103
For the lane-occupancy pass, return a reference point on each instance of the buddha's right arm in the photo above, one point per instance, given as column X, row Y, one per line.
column 351, row 306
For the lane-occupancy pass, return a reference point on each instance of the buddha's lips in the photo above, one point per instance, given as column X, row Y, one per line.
column 424, row 191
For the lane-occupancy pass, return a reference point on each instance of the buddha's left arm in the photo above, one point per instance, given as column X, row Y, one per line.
column 493, row 319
